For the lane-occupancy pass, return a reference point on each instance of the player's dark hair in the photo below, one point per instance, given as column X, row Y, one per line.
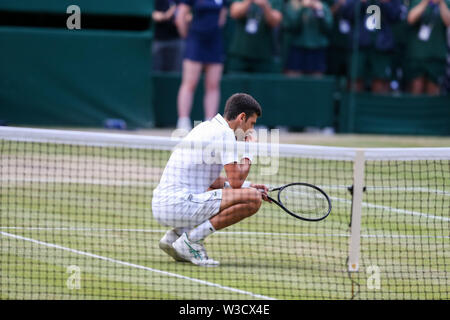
column 241, row 102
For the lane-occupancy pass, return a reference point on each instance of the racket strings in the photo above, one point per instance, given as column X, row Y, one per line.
column 305, row 201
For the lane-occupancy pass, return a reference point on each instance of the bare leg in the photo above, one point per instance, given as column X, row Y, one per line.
column 236, row 205
column 432, row 88
column 211, row 100
column 357, row 86
column 292, row 73
column 191, row 74
column 418, row 85
column 317, row 74
column 380, row 86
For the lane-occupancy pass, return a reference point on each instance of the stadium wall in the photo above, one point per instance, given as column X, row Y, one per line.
column 99, row 7
column 405, row 114
column 57, row 77
column 286, row 101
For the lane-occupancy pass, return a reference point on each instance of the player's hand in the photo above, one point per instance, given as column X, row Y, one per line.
column 263, row 189
column 250, row 136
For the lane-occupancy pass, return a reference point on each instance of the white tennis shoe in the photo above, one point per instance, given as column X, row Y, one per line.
column 192, row 251
column 184, row 123
column 166, row 245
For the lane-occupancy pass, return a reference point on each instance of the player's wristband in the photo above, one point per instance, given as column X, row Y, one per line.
column 246, row 184
column 248, row 156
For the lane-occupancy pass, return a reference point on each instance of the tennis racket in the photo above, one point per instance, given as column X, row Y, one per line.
column 302, row 201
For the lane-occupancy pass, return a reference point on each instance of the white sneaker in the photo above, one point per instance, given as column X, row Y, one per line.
column 166, row 245
column 192, row 251
column 184, row 123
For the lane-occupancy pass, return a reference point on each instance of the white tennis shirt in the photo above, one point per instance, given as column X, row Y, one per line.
column 197, row 162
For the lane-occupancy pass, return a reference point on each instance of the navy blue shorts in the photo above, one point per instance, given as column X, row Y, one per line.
column 306, row 60
column 204, row 47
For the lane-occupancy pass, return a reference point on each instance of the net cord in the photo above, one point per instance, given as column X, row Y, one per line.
column 260, row 149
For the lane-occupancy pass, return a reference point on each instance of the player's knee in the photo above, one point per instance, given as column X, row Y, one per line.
column 189, row 85
column 258, row 203
column 212, row 85
column 256, row 200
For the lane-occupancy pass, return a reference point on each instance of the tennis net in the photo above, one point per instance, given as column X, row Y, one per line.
column 76, row 222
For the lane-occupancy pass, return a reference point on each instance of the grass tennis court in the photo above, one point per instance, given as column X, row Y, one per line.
column 90, row 207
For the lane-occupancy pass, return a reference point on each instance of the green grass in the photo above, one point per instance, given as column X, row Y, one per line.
column 366, row 140
column 100, row 219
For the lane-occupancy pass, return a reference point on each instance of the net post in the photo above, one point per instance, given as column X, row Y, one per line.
column 358, row 188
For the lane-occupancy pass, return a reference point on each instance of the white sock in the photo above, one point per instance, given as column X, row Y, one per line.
column 181, row 230
column 201, row 231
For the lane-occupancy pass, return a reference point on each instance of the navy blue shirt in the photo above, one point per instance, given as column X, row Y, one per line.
column 382, row 39
column 205, row 14
column 165, row 30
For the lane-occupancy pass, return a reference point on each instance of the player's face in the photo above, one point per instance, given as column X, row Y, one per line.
column 249, row 123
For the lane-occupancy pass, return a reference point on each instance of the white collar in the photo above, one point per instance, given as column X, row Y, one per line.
column 221, row 120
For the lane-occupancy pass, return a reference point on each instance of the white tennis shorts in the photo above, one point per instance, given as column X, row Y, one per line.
column 191, row 211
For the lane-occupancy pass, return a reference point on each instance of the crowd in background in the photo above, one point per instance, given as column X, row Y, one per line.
column 407, row 49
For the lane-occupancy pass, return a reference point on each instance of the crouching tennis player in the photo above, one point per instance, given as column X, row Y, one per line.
column 193, row 199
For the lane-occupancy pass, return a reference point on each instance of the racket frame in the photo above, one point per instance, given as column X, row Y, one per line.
column 295, row 215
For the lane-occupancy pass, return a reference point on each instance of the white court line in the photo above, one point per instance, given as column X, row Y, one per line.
column 396, row 210
column 83, row 229
column 124, row 182
column 370, row 205
column 332, row 235
column 365, row 204
column 170, row 274
column 413, row 213
column 381, row 189
column 403, row 211
column 408, row 189
column 254, row 233
column 83, row 180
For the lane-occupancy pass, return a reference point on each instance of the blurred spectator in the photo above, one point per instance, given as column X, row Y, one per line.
column 204, row 50
column 340, row 40
column 309, row 22
column 447, row 77
column 427, row 45
column 251, row 48
column 167, row 47
column 400, row 30
column 376, row 45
